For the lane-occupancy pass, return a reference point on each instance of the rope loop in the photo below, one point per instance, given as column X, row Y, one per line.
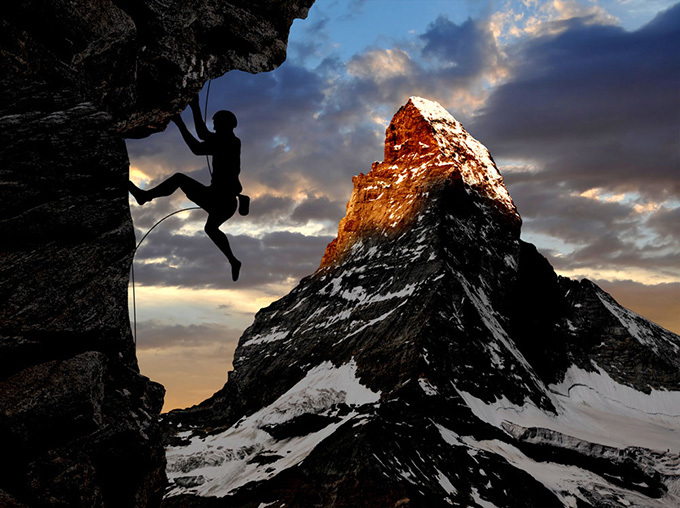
column 132, row 265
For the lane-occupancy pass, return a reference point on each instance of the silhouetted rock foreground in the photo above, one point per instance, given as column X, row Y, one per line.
column 435, row 360
column 79, row 424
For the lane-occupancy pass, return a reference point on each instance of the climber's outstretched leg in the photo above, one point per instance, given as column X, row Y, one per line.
column 193, row 189
column 212, row 229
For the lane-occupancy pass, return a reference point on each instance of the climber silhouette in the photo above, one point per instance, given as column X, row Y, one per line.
column 219, row 198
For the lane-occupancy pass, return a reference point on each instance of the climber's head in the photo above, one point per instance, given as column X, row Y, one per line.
column 224, row 120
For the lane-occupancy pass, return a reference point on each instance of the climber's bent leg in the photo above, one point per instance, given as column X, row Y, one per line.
column 212, row 229
column 177, row 181
column 194, row 190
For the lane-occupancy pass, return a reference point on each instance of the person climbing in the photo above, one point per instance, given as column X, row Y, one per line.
column 222, row 197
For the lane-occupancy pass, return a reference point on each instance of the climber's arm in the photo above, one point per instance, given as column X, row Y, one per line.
column 199, row 123
column 194, row 145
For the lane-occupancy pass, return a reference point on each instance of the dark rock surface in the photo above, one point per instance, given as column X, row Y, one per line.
column 434, row 360
column 77, row 77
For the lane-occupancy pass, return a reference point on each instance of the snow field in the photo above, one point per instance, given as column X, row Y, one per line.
column 564, row 481
column 595, row 408
column 223, row 462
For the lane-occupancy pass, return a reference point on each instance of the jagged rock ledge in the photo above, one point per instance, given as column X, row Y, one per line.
column 79, row 422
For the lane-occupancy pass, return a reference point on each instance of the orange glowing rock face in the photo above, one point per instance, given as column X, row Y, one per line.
column 424, row 148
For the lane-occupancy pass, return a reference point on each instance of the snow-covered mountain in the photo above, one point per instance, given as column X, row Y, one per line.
column 435, row 359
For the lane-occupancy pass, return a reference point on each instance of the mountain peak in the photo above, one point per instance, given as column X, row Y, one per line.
column 441, row 362
column 431, row 110
column 425, row 147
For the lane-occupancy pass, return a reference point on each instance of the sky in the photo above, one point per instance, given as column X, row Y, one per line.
column 577, row 100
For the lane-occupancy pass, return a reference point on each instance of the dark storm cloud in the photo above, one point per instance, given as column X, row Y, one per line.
column 269, row 209
column 667, row 223
column 465, row 50
column 611, row 252
column 551, row 210
column 595, row 106
column 603, row 235
column 318, row 209
column 193, row 261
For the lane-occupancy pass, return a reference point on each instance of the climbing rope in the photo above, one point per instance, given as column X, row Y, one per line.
column 205, row 119
column 132, row 266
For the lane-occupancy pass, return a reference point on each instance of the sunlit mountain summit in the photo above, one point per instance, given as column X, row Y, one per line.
column 435, row 359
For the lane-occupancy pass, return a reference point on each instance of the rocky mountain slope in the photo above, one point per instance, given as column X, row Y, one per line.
column 435, row 359
column 78, row 422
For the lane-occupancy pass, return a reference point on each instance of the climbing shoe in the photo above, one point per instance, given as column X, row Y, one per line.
column 139, row 194
column 235, row 269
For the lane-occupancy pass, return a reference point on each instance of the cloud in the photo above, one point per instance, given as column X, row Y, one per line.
column 467, row 51
column 144, row 154
column 192, row 261
column 603, row 235
column 293, row 139
column 269, row 208
column 594, row 112
column 534, row 19
column 451, row 63
column 595, row 106
column 666, row 222
column 381, row 65
column 318, row 209
column 153, row 335
column 591, row 109
column 553, row 211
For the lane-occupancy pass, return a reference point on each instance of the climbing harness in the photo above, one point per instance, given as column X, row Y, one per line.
column 132, row 265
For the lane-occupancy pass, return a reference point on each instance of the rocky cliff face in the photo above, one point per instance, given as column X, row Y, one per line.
column 435, row 359
column 78, row 421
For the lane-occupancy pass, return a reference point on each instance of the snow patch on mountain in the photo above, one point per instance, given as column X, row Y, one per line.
column 273, row 336
column 219, row 464
column 566, row 481
column 478, row 169
column 593, row 407
column 638, row 327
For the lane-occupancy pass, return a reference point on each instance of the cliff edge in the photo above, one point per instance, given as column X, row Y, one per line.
column 79, row 422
